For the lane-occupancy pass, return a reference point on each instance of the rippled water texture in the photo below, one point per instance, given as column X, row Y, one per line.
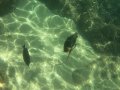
column 44, row 34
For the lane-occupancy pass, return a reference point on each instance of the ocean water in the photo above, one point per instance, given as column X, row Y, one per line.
column 44, row 34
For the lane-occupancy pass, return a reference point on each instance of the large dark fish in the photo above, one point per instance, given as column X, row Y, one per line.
column 26, row 56
column 70, row 43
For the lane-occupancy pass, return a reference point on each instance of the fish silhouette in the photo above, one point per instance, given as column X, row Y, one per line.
column 70, row 43
column 26, row 56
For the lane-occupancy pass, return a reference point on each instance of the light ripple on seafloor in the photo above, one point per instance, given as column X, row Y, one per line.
column 44, row 34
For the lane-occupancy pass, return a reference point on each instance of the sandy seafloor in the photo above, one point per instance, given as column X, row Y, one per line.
column 44, row 34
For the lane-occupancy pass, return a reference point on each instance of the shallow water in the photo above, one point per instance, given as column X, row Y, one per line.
column 44, row 34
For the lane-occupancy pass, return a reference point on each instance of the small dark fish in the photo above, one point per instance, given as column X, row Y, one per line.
column 26, row 56
column 70, row 43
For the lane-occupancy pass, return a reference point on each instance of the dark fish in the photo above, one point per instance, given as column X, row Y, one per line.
column 70, row 43
column 26, row 56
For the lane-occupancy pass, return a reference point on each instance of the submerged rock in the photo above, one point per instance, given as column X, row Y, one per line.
column 98, row 22
column 7, row 6
column 79, row 76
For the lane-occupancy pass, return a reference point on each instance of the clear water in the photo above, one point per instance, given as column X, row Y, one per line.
column 44, row 34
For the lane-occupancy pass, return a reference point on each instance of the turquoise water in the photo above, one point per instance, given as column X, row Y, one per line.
column 44, row 33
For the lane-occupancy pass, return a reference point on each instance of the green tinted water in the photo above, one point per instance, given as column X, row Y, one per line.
column 44, row 34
